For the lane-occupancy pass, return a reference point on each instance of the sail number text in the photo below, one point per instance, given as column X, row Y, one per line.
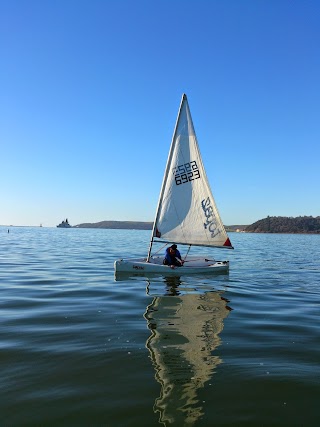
column 211, row 222
column 186, row 172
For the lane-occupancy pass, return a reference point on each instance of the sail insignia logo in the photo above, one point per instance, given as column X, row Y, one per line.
column 186, row 173
column 211, row 221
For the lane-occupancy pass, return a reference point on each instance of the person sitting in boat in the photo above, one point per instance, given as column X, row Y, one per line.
column 173, row 257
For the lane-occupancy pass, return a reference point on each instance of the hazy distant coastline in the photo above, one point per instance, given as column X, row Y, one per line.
column 126, row 225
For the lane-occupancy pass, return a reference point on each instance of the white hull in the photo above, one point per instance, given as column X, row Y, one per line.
column 192, row 265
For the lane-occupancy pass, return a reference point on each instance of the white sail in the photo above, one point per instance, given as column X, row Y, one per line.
column 187, row 213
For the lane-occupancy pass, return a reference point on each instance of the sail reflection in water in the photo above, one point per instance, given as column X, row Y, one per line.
column 184, row 332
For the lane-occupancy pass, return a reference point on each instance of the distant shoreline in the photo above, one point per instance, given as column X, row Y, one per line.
column 270, row 225
column 115, row 225
column 273, row 225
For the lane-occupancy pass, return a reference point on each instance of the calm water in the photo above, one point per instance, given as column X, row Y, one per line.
column 79, row 348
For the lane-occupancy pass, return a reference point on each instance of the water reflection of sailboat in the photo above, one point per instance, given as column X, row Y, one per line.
column 184, row 332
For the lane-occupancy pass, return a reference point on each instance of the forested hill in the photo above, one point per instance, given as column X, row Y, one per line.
column 282, row 224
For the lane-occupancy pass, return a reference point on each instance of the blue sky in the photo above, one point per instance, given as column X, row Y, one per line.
column 90, row 92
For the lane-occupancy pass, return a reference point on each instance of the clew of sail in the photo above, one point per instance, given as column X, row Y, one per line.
column 187, row 213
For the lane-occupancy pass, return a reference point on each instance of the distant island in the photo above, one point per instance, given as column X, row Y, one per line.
column 271, row 224
column 283, row 224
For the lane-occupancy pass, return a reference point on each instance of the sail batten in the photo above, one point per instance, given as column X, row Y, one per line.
column 187, row 212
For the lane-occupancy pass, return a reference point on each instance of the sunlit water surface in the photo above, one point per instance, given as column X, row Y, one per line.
column 80, row 347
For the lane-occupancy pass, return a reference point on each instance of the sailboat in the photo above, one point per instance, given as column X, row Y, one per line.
column 186, row 213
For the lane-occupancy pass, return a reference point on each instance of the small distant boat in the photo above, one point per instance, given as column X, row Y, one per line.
column 186, row 213
column 64, row 224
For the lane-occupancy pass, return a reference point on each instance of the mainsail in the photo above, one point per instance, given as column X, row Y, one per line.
column 187, row 213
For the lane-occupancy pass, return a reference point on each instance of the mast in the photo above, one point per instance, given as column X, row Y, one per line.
column 183, row 99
